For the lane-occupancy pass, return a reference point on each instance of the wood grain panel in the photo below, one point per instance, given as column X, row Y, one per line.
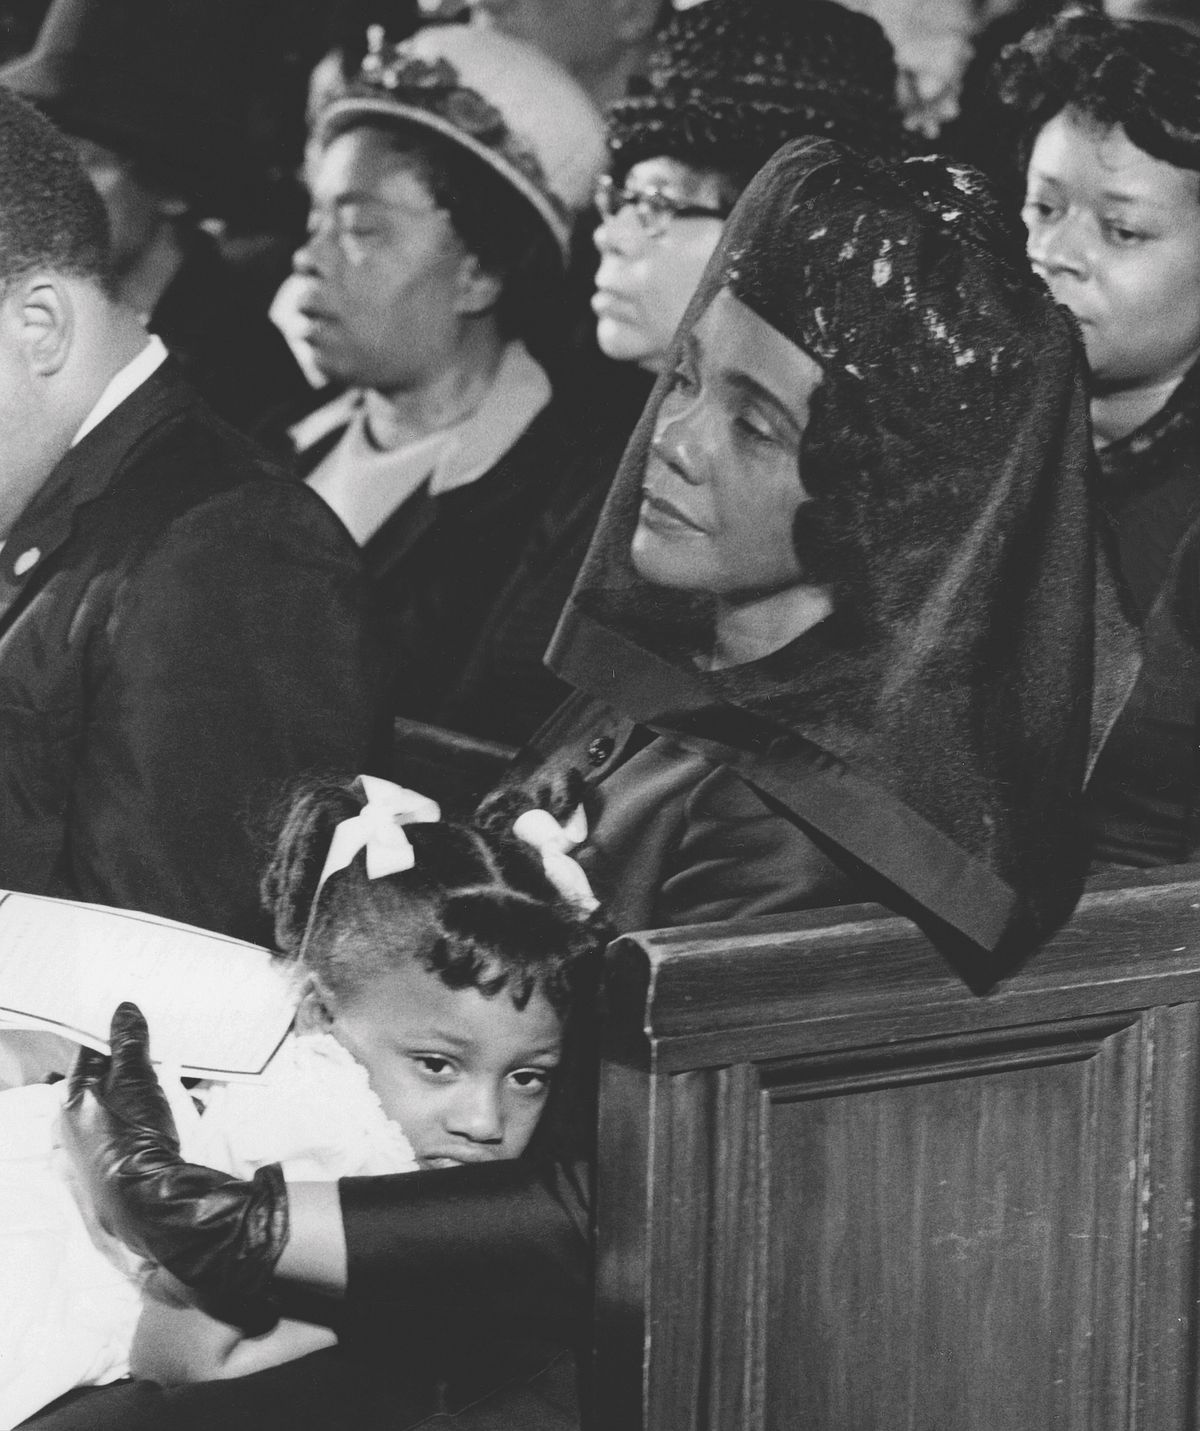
column 837, row 1191
column 929, row 1258
column 1167, row 1287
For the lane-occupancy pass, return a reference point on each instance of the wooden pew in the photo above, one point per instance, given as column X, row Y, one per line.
column 839, row 1192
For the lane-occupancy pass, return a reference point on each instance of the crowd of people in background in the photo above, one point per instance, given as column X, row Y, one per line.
column 767, row 434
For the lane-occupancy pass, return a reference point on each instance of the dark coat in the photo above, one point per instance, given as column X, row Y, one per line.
column 437, row 565
column 1144, row 797
column 183, row 633
column 676, row 835
column 504, row 691
column 215, row 323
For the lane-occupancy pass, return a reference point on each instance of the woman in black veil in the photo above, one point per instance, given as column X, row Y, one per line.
column 873, row 681
column 834, row 641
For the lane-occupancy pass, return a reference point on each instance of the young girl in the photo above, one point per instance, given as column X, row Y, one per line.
column 435, row 967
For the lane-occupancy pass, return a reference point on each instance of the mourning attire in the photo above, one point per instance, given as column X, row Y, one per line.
column 502, row 689
column 442, row 515
column 439, row 560
column 182, row 635
column 927, row 741
column 1144, row 799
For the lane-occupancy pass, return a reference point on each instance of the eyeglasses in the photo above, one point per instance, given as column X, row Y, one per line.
column 653, row 209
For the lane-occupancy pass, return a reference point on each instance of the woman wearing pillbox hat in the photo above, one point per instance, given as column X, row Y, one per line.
column 503, row 101
column 445, row 181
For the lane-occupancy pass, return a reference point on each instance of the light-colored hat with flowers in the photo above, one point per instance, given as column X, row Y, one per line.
column 503, row 100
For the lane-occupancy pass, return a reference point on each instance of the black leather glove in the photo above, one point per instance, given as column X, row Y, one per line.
column 220, row 1235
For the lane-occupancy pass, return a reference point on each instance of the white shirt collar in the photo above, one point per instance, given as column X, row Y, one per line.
column 364, row 485
column 124, row 384
column 519, row 391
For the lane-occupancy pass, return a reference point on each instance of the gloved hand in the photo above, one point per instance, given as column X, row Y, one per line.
column 220, row 1235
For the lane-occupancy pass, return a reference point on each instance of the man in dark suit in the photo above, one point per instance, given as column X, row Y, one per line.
column 181, row 627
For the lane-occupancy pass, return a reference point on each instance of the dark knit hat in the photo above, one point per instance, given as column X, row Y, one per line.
column 731, row 80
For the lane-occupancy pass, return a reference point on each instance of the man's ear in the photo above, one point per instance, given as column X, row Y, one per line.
column 317, row 1006
column 478, row 289
column 42, row 311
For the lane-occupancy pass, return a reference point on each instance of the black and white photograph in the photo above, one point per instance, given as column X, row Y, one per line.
column 599, row 715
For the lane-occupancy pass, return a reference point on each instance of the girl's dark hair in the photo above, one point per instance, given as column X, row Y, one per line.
column 476, row 908
column 495, row 222
column 1140, row 74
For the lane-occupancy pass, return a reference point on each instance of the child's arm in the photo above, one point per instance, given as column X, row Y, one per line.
column 177, row 1342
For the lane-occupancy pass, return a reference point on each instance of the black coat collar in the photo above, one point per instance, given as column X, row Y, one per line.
column 84, row 473
column 866, row 820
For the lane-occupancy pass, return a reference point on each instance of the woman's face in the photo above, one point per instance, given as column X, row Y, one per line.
column 645, row 281
column 1116, row 235
column 384, row 272
column 722, row 483
column 466, row 1075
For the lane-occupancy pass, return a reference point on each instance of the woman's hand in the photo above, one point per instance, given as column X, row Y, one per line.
column 218, row 1234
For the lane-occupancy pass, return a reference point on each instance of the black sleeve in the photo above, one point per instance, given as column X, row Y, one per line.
column 237, row 659
column 496, row 1249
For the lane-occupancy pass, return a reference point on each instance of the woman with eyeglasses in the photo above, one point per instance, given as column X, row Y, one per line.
column 729, row 82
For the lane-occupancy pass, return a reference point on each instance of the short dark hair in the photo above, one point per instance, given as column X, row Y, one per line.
column 476, row 908
column 50, row 215
column 1143, row 75
column 497, row 224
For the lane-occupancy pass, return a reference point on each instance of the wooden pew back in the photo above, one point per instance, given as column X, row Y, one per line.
column 839, row 1192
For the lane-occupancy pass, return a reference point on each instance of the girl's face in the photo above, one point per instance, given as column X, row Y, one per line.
column 1116, row 235
column 646, row 279
column 722, row 484
column 465, row 1075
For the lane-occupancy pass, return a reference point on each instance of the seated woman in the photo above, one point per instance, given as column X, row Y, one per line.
column 1110, row 117
column 443, row 187
column 728, row 82
column 844, row 588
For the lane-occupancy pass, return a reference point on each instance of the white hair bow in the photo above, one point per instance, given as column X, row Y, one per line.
column 539, row 829
column 378, row 829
